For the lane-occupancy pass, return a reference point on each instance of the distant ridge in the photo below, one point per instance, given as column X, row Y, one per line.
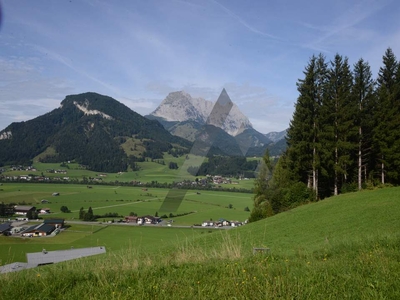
column 92, row 129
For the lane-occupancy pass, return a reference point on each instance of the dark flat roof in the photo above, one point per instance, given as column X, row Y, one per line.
column 53, row 221
column 4, row 227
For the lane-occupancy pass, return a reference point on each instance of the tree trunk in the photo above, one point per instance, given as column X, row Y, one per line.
column 315, row 174
column 359, row 161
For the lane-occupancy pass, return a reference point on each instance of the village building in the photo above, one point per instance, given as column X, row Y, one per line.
column 4, row 228
column 39, row 230
column 44, row 211
column 131, row 219
column 23, row 209
column 208, row 223
column 143, row 220
column 236, row 223
column 58, row 223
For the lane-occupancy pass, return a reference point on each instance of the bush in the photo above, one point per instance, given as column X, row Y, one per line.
column 65, row 209
column 349, row 187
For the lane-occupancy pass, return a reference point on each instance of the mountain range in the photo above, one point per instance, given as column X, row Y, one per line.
column 105, row 135
column 188, row 117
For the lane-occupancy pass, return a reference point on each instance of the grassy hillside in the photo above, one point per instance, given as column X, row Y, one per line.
column 346, row 247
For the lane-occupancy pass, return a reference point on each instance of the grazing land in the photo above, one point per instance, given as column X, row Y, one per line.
column 344, row 247
column 204, row 205
column 150, row 171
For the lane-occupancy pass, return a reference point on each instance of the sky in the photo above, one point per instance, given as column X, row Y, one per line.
column 139, row 51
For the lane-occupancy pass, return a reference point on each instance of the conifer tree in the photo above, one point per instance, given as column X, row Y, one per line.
column 337, row 127
column 386, row 129
column 363, row 93
column 304, row 147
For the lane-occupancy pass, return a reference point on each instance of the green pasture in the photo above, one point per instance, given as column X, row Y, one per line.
column 205, row 205
column 113, row 237
column 149, row 172
column 344, row 247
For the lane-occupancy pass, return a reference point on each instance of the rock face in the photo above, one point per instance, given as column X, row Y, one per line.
column 276, row 136
column 181, row 107
column 5, row 135
column 86, row 111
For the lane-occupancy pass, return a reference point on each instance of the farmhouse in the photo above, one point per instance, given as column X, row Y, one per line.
column 236, row 223
column 224, row 222
column 151, row 220
column 207, row 223
column 23, row 209
column 44, row 211
column 131, row 219
column 148, row 220
column 39, row 230
column 58, row 223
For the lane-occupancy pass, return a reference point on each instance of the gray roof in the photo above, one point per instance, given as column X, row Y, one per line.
column 5, row 227
column 48, row 228
column 48, row 257
column 31, row 228
column 16, row 266
column 23, row 207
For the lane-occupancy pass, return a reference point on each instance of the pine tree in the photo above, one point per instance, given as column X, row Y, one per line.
column 81, row 213
column 338, row 130
column 364, row 94
column 89, row 215
column 386, row 129
column 304, row 147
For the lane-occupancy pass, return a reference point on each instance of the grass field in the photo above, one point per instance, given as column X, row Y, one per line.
column 123, row 200
column 344, row 247
column 109, row 199
column 150, row 171
column 114, row 237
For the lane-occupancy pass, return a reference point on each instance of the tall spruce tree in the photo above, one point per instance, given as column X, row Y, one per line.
column 337, row 127
column 303, row 139
column 386, row 129
column 364, row 94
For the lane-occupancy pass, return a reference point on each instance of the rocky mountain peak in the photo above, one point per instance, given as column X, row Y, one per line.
column 180, row 106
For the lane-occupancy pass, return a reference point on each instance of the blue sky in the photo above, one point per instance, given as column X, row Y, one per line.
column 139, row 51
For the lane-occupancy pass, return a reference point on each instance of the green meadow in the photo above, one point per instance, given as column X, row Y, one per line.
column 149, row 172
column 344, row 247
column 204, row 205
column 114, row 237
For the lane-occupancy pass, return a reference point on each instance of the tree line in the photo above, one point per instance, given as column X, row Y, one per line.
column 345, row 128
column 344, row 134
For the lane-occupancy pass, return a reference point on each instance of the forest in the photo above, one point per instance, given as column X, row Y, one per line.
column 344, row 135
